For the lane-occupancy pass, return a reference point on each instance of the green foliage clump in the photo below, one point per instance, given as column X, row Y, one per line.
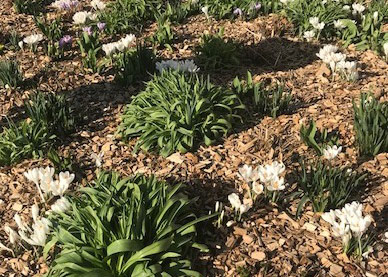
column 326, row 187
column 300, row 11
column 316, row 139
column 52, row 111
column 129, row 15
column 28, row 6
column 49, row 118
column 89, row 45
column 164, row 35
column 371, row 125
column 215, row 53
column 136, row 226
column 10, row 74
column 133, row 65
column 270, row 101
column 250, row 9
column 22, row 141
column 179, row 111
column 53, row 31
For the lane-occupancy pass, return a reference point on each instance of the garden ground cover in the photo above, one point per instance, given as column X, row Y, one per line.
column 269, row 241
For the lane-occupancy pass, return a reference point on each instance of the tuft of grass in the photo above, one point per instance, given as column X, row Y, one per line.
column 178, row 111
column 326, row 187
column 266, row 100
column 215, row 53
column 10, row 75
column 371, row 125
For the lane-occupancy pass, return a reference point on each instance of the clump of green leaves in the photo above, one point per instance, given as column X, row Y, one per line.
column 178, row 111
column 28, row 6
column 128, row 15
column 10, row 75
column 89, row 45
column 53, row 32
column 316, row 139
column 371, row 125
column 14, row 39
column 49, row 119
column 214, row 52
column 22, row 141
column 325, row 186
column 266, row 100
column 220, row 9
column 53, row 111
column 133, row 65
column 164, row 35
column 136, row 226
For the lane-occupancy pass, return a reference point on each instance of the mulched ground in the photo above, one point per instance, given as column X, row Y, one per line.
column 269, row 241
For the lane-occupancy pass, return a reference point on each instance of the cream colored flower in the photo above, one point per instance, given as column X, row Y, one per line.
column 331, row 152
column 61, row 205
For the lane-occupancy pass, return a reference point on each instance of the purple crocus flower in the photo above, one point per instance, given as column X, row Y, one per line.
column 101, row 26
column 257, row 6
column 65, row 40
column 238, row 12
column 87, row 30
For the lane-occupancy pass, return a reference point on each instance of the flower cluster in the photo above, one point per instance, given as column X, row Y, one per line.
column 65, row 4
column 348, row 222
column 337, row 62
column 264, row 178
column 124, row 43
column 37, row 232
column 43, row 178
column 183, row 66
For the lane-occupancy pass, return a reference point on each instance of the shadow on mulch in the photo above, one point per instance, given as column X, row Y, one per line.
column 270, row 55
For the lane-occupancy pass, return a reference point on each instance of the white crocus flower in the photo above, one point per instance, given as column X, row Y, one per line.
column 235, row 201
column 329, row 217
column 98, row 5
column 46, row 178
column 385, row 239
column 81, row 17
column 248, row 174
column 19, row 222
column 339, row 24
column 21, row 44
column 276, row 184
column 314, row 21
column 385, row 49
column 60, row 186
column 98, row 158
column 61, row 205
column 205, row 10
column 358, row 8
column 12, row 234
column 109, row 48
column 348, row 70
column 33, row 176
column 244, row 208
column 257, row 188
column 331, row 152
column 309, row 35
column 269, row 172
column 33, row 39
column 359, row 225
